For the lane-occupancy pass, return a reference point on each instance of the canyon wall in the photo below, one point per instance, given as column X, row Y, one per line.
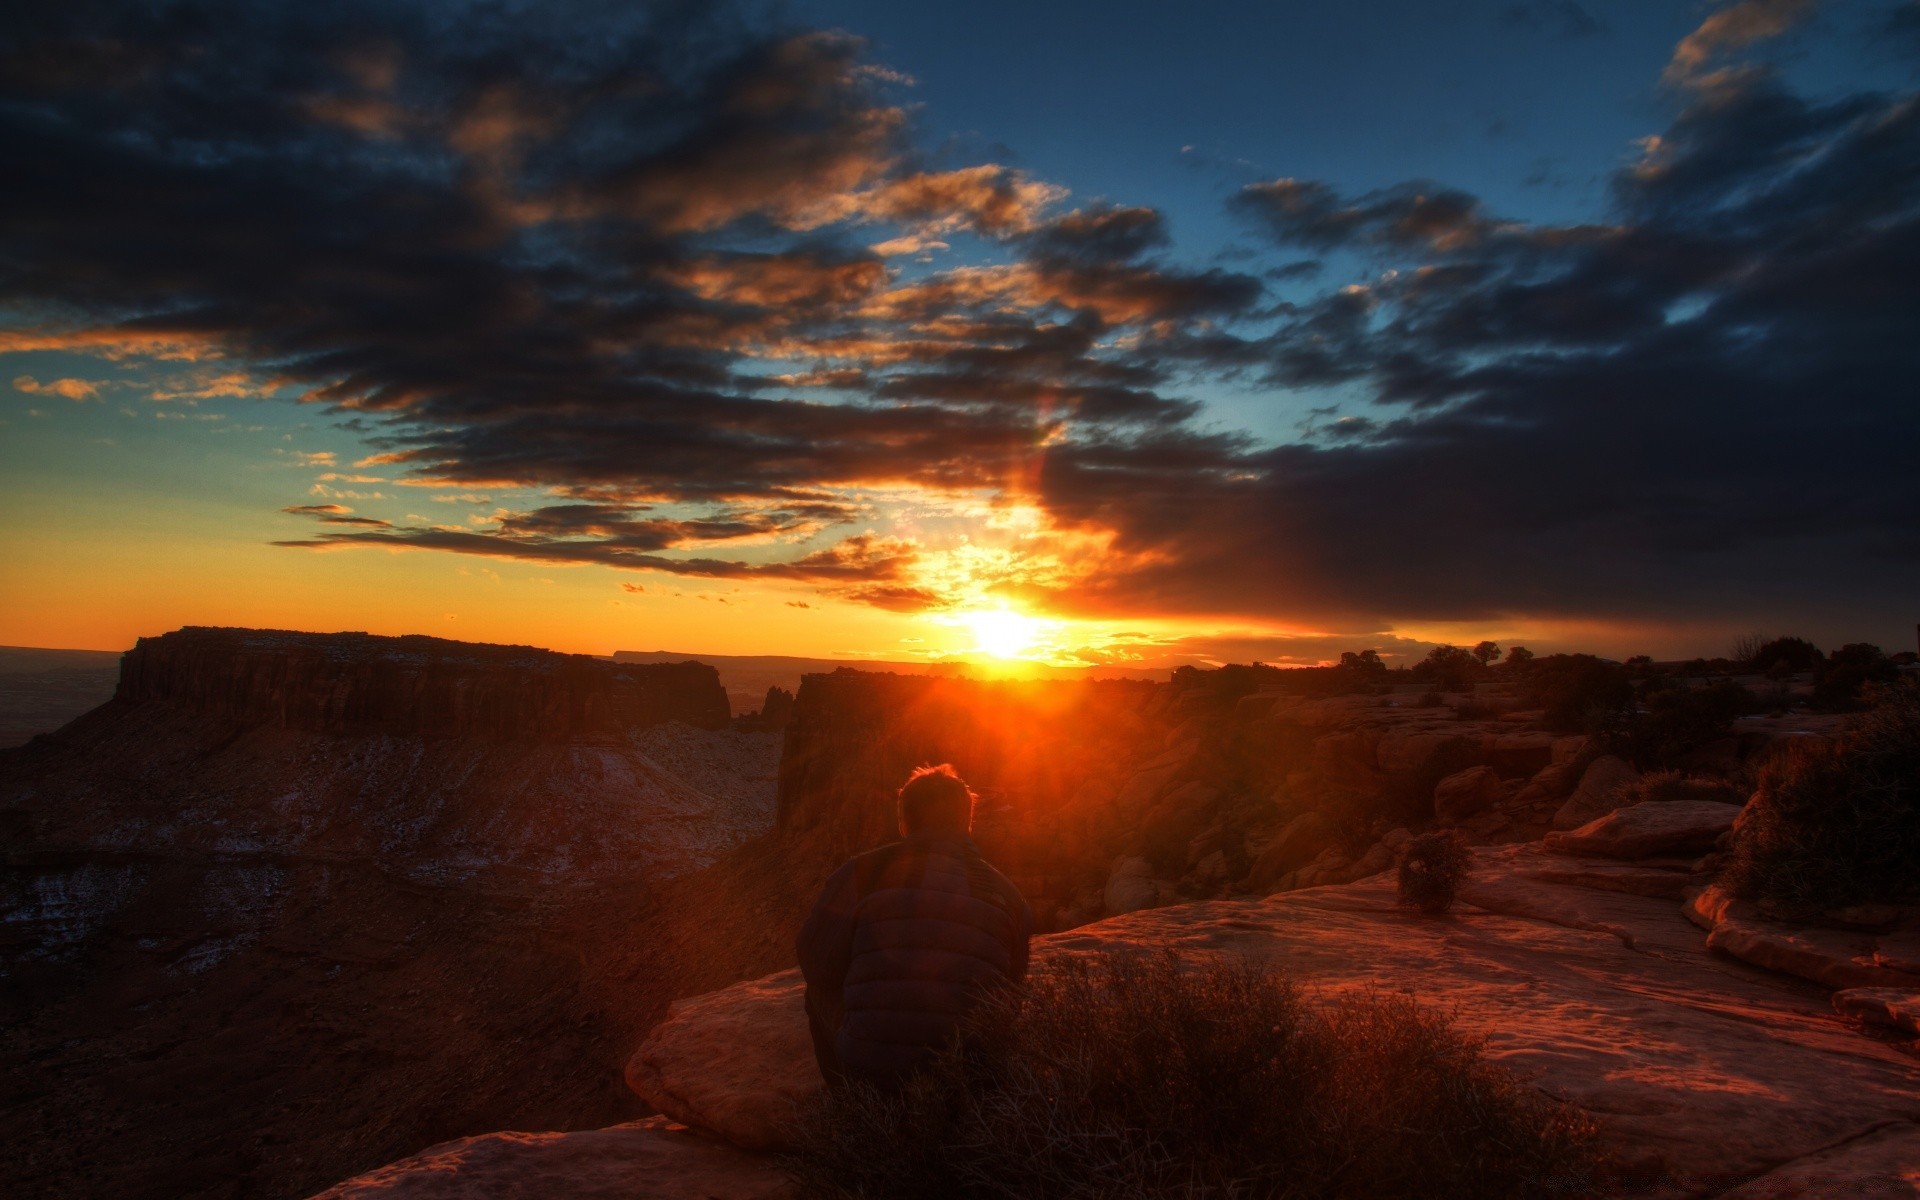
column 414, row 686
column 293, row 905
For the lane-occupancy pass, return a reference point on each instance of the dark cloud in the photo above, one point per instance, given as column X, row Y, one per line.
column 549, row 248
column 1702, row 405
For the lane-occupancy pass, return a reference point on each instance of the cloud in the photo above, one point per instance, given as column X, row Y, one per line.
column 70, row 389
column 1733, row 27
column 647, row 264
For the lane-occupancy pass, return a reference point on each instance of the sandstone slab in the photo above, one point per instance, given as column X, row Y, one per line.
column 736, row 1061
column 1894, row 1008
column 1464, row 793
column 1695, row 1064
column 1883, row 1164
column 1835, row 958
column 1648, row 830
column 1297, row 844
column 1598, row 793
column 646, row 1160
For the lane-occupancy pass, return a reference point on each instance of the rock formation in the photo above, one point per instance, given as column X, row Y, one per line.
column 291, row 905
column 1707, row 1071
column 414, row 686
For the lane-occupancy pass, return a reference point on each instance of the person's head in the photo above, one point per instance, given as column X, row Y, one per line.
column 935, row 800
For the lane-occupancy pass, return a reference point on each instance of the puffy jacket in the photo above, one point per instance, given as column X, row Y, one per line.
column 902, row 942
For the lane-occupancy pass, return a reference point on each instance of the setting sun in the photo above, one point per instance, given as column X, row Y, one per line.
column 1004, row 633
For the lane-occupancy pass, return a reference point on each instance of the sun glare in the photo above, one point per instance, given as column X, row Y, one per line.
column 1004, row 633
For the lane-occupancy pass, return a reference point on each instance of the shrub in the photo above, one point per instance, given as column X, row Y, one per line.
column 1674, row 718
column 1449, row 668
column 1431, row 868
column 1833, row 824
column 1137, row 1077
column 1839, row 681
column 1578, row 691
column 1786, row 654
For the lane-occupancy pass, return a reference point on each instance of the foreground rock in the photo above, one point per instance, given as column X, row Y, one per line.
column 1704, row 1068
column 1649, row 830
column 1602, row 789
column 1881, row 1165
column 737, row 1061
column 653, row 1159
column 1894, row 1008
column 1836, row 958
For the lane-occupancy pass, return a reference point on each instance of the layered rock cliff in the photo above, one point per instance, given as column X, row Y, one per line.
column 414, row 686
column 292, row 905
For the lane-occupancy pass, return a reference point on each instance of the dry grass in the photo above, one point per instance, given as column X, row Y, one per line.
column 1144, row 1079
column 1837, row 824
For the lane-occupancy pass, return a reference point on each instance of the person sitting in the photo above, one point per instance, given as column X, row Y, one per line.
column 905, row 939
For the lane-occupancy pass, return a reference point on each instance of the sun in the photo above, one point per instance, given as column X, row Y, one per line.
column 1004, row 633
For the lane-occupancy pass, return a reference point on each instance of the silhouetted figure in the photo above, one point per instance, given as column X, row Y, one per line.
column 904, row 939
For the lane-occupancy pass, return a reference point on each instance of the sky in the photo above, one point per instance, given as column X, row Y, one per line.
column 1122, row 333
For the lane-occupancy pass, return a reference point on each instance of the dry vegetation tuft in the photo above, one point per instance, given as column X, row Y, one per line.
column 1118, row 1077
column 1834, row 824
column 1431, row 869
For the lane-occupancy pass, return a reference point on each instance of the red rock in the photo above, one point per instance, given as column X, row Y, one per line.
column 1296, row 845
column 1895, row 1008
column 1464, row 793
column 1835, row 958
column 1709, row 1071
column 1881, row 1164
column 397, row 686
column 1599, row 793
column 1649, row 830
column 736, row 1061
column 646, row 1160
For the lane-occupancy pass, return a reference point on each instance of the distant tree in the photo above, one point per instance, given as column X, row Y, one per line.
column 1580, row 693
column 1747, row 647
column 1786, row 655
column 1449, row 668
column 1839, row 681
column 1486, row 652
column 1518, row 656
column 1366, row 662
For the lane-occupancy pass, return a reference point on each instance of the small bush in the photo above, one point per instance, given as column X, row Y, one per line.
column 1833, row 824
column 1787, row 655
column 1578, row 691
column 1840, row 681
column 1137, row 1077
column 1673, row 718
column 1431, row 868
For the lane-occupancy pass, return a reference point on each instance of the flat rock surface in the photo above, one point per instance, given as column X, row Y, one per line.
column 1835, row 958
column 645, row 1160
column 1895, row 1008
column 1707, row 1068
column 1648, row 830
column 1881, row 1165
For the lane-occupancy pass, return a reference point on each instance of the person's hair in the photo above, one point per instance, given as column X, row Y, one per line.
column 935, row 797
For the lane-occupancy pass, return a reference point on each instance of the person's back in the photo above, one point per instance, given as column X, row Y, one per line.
column 906, row 938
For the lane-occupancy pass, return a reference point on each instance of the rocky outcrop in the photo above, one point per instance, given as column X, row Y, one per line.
column 1466, row 793
column 1890, row 1008
column 653, row 1159
column 1708, row 1072
column 1834, row 957
column 1651, row 829
column 689, row 1067
column 343, row 683
column 1602, row 789
column 1881, row 1164
column 251, row 945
